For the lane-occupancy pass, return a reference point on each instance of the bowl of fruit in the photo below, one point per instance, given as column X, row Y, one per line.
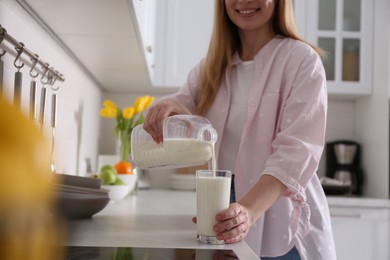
column 126, row 173
column 118, row 189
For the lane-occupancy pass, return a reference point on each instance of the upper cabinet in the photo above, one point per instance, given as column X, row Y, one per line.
column 175, row 37
column 344, row 29
column 176, row 33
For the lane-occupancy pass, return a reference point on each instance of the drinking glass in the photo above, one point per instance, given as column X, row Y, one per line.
column 213, row 196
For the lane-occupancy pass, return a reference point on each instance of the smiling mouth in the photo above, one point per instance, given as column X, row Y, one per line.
column 247, row 12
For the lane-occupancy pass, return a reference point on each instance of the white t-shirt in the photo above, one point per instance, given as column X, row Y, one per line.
column 241, row 80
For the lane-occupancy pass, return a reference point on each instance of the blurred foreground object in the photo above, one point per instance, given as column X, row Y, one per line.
column 27, row 229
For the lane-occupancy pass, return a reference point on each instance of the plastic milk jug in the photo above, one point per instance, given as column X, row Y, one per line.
column 188, row 140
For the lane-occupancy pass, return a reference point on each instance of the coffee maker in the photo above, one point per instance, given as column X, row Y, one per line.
column 343, row 163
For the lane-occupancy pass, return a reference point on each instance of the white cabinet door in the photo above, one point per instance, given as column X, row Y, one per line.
column 175, row 37
column 344, row 29
column 188, row 29
column 360, row 233
column 147, row 14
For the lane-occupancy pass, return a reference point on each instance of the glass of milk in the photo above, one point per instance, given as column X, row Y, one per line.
column 213, row 196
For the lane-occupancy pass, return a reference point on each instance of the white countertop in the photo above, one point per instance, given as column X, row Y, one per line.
column 152, row 218
column 358, row 202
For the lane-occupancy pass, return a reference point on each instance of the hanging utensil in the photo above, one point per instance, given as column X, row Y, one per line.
column 42, row 106
column 53, row 129
column 18, row 77
column 2, row 37
column 53, row 123
column 1, row 72
column 33, row 88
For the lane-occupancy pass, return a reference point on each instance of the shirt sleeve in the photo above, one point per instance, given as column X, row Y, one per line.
column 299, row 143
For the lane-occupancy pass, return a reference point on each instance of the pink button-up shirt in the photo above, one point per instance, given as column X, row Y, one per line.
column 283, row 136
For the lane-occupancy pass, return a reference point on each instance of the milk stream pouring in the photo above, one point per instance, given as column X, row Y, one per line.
column 188, row 140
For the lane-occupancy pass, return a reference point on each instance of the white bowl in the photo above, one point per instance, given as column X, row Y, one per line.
column 129, row 179
column 117, row 192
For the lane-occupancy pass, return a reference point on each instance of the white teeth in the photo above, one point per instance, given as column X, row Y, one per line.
column 247, row 12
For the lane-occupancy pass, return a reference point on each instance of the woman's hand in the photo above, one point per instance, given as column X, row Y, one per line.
column 156, row 115
column 233, row 224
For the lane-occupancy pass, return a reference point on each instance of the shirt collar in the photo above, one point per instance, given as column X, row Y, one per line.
column 270, row 45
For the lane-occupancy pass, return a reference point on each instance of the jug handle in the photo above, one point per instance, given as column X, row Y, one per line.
column 212, row 132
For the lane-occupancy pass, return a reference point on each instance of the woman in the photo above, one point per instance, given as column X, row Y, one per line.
column 264, row 91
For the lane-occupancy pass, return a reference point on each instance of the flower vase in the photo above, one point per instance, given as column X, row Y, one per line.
column 124, row 146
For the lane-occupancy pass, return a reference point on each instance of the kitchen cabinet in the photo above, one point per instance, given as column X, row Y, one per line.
column 361, row 229
column 344, row 29
column 146, row 13
column 175, row 37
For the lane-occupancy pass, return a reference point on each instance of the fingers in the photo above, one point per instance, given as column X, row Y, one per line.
column 233, row 210
column 234, row 235
column 154, row 121
column 156, row 115
column 233, row 224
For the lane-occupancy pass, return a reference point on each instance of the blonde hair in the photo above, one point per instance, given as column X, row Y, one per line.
column 225, row 42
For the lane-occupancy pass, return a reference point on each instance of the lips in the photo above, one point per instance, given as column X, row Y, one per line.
column 247, row 12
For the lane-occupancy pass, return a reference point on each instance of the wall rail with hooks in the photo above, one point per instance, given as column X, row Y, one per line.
column 49, row 72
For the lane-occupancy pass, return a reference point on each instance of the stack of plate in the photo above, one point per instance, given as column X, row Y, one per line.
column 182, row 181
column 79, row 197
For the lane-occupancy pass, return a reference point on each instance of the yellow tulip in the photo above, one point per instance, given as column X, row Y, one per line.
column 136, row 103
column 128, row 112
column 143, row 103
column 109, row 103
column 149, row 101
column 110, row 112
column 140, row 105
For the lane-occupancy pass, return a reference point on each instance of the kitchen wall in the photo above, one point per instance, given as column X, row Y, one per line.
column 372, row 126
column 79, row 97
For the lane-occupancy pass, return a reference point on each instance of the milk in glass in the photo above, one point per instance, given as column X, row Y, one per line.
column 213, row 196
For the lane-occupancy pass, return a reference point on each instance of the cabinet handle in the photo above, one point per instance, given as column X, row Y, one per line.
column 149, row 49
column 338, row 215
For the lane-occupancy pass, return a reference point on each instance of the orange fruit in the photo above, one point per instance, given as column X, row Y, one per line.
column 123, row 167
